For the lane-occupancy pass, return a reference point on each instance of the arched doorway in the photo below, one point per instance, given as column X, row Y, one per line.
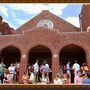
column 40, row 53
column 71, row 53
column 10, row 55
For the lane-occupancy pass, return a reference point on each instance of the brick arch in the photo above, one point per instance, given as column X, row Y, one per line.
column 36, row 45
column 80, row 44
column 47, row 45
column 41, row 44
column 18, row 46
column 14, row 45
column 27, row 50
column 50, row 47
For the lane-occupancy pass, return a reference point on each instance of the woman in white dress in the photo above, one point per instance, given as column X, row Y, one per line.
column 32, row 78
column 57, row 79
column 45, row 78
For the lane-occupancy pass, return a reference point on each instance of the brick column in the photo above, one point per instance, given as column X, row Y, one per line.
column 23, row 65
column 88, row 60
column 55, row 64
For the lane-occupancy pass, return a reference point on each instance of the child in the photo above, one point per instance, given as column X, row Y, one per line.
column 25, row 78
column 57, row 79
column 66, row 79
column 7, row 77
column 78, row 78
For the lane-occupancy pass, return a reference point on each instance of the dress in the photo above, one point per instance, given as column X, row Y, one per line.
column 45, row 80
column 77, row 80
column 32, row 78
column 58, row 81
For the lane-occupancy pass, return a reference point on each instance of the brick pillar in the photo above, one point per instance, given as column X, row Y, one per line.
column 88, row 60
column 55, row 65
column 23, row 65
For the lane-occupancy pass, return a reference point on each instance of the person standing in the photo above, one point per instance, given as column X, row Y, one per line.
column 12, row 72
column 64, row 68
column 32, row 77
column 45, row 68
column 49, row 71
column 36, row 70
column 68, row 68
column 30, row 69
column 1, row 73
column 18, row 73
column 76, row 67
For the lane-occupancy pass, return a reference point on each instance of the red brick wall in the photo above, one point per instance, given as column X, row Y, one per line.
column 62, row 35
column 85, row 16
column 59, row 23
column 52, row 39
column 5, row 29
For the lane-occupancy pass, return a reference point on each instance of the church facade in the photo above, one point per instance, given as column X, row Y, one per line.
column 48, row 37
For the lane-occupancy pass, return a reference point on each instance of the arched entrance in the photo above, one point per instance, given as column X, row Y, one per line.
column 71, row 53
column 40, row 53
column 10, row 55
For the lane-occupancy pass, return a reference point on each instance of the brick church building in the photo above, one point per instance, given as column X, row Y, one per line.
column 47, row 37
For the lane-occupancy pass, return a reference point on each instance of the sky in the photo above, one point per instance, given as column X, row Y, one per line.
column 18, row 14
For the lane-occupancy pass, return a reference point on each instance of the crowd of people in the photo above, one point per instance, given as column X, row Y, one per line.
column 41, row 73
column 71, row 75
column 37, row 73
column 74, row 74
column 10, row 74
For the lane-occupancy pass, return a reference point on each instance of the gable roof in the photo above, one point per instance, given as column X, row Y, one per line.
column 59, row 23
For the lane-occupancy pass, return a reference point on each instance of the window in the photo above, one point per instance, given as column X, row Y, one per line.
column 45, row 23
